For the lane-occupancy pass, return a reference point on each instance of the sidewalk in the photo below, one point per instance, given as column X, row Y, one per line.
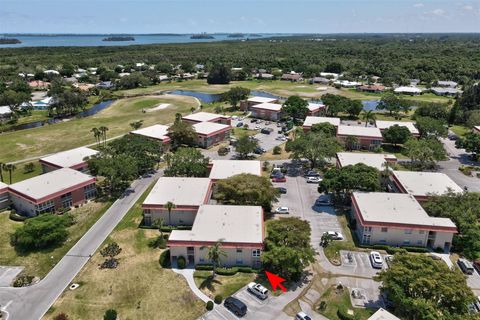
column 187, row 273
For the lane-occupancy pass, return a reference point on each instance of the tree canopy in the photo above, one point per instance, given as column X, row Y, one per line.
column 470, row 142
column 394, row 104
column 246, row 190
column 220, row 74
column 287, row 247
column 423, row 288
column 431, row 127
column 316, row 147
column 186, row 162
column 245, row 146
column 396, row 134
column 295, row 107
column 326, row 128
column 424, row 152
column 182, row 133
column 235, row 95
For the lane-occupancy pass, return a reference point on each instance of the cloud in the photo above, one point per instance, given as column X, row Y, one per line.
column 468, row 8
column 439, row 12
column 418, row 5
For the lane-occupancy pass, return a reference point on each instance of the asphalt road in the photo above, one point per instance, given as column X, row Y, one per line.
column 34, row 301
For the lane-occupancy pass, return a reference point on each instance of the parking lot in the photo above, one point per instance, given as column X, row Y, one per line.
column 473, row 281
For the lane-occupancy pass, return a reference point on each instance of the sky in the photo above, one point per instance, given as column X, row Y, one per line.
column 262, row 16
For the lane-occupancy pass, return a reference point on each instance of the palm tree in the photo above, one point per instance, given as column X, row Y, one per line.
column 1, row 171
column 368, row 116
column 136, row 124
column 215, row 255
column 104, row 130
column 96, row 134
column 178, row 116
column 169, row 206
column 10, row 168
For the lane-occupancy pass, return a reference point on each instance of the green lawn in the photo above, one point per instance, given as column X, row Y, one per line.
column 138, row 289
column 340, row 300
column 460, row 130
column 40, row 263
column 222, row 285
column 240, row 132
column 75, row 133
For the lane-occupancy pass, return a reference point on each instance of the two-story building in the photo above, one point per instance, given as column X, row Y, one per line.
column 367, row 138
column 398, row 219
column 310, row 121
column 186, row 194
column 267, row 111
column 375, row 160
column 223, row 169
column 315, row 109
column 53, row 191
column 74, row 159
column 157, row 132
column 207, row 117
column 422, row 185
column 382, row 125
column 4, row 196
column 240, row 229
column 245, row 105
column 211, row 133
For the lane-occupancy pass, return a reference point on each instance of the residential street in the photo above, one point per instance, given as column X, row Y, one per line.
column 33, row 302
column 450, row 167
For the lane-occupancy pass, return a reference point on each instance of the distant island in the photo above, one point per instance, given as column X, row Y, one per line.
column 255, row 35
column 202, row 36
column 119, row 38
column 236, row 35
column 9, row 41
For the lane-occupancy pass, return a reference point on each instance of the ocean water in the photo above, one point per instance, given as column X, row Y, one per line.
column 96, row 40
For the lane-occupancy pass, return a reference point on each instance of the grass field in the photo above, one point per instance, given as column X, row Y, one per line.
column 341, row 300
column 138, row 289
column 460, row 130
column 222, row 285
column 19, row 174
column 40, row 263
column 75, row 133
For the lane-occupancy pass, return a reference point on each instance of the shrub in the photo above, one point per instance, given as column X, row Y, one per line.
column 218, row 299
column 165, row 259
column 23, row 280
column 277, row 150
column 322, row 306
column 61, row 316
column 158, row 242
column 343, row 315
column 416, row 249
column 181, row 262
column 439, row 250
column 204, row 267
column 110, row 314
column 209, row 305
column 227, row 271
column 28, row 167
column 111, row 250
column 245, row 270
column 16, row 217
column 109, row 263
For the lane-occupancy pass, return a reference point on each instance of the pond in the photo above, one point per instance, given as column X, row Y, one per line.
column 89, row 112
column 215, row 97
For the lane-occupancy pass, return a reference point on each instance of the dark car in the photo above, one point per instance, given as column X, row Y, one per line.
column 265, row 131
column 236, row 306
column 476, row 265
column 312, row 173
column 282, row 190
column 240, row 124
column 253, row 120
column 259, row 150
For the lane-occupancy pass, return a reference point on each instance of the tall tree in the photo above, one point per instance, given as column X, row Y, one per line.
column 325, row 127
column 215, row 255
column 96, row 133
column 470, row 142
column 295, row 107
column 396, row 134
column 316, row 147
column 423, row 288
column 1, row 171
column 186, row 162
column 235, row 95
column 182, row 133
column 219, row 74
column 245, row 146
column 103, row 130
column 430, row 127
column 424, row 152
column 368, row 116
column 169, row 206
column 353, row 108
column 9, row 167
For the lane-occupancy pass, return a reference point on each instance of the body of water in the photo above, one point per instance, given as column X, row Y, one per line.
column 96, row 40
column 214, row 97
column 89, row 112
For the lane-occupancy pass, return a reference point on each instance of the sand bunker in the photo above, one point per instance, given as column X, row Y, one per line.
column 159, row 107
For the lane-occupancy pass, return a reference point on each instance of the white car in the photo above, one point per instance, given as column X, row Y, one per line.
column 281, row 138
column 283, row 210
column 302, row 316
column 257, row 128
column 376, row 260
column 258, row 290
column 313, row 179
column 335, row 235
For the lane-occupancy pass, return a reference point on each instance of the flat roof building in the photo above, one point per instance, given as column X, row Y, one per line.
column 223, row 169
column 408, row 90
column 52, row 191
column 314, row 109
column 367, row 137
column 158, row 132
column 187, row 194
column 398, row 219
column 382, row 125
column 206, row 117
column 447, row 91
column 240, row 229
column 4, row 198
column 383, row 314
column 310, row 121
column 211, row 133
column 245, row 105
column 375, row 160
column 422, row 185
column 267, row 111
column 73, row 159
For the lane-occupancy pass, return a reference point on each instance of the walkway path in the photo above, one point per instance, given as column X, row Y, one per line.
column 187, row 273
column 34, row 301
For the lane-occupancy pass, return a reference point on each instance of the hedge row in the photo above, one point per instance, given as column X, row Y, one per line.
column 16, row 217
column 226, row 271
column 165, row 259
column 166, row 228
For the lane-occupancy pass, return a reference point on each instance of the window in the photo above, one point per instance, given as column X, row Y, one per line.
column 47, row 206
column 239, row 250
column 420, row 242
column 202, row 260
column 90, row 191
column 147, row 219
column 421, row 232
column 256, row 253
column 408, row 231
column 384, row 229
column 406, row 242
column 367, row 229
column 383, row 241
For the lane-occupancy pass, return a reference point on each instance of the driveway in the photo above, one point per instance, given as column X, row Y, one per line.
column 458, row 157
column 8, row 274
column 34, row 301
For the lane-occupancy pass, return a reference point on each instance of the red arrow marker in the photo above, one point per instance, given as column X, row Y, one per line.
column 275, row 281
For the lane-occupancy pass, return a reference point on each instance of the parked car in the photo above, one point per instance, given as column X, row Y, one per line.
column 259, row 150
column 465, row 266
column 302, row 316
column 335, row 235
column 258, row 290
column 253, row 138
column 476, row 265
column 279, row 178
column 282, row 210
column 223, row 151
column 236, row 306
column 376, row 260
column 388, row 260
column 240, row 124
column 276, row 172
column 282, row 190
column 313, row 179
column 253, row 120
column 312, row 173
column 258, row 128
column 324, row 200
column 265, row 131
